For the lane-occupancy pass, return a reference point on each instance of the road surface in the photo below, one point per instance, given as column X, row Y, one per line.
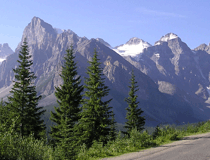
column 195, row 147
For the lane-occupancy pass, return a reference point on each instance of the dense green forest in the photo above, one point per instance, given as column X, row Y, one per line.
column 82, row 125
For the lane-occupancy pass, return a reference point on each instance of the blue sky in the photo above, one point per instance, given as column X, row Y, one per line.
column 115, row 21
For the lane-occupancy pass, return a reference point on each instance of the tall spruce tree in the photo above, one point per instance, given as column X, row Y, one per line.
column 133, row 116
column 95, row 121
column 69, row 97
column 24, row 100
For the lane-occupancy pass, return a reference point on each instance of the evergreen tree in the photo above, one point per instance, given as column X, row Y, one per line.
column 3, row 112
column 133, row 116
column 95, row 121
column 24, row 100
column 113, row 133
column 157, row 132
column 69, row 99
column 7, row 121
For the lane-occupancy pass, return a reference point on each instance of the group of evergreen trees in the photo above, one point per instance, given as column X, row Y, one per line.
column 80, row 118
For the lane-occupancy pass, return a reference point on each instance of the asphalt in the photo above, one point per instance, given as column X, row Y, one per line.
column 195, row 147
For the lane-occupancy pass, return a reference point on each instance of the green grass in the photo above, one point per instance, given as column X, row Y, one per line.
column 12, row 146
column 142, row 140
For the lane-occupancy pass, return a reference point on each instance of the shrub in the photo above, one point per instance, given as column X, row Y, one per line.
column 157, row 132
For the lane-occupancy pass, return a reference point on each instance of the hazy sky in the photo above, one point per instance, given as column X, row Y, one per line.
column 115, row 21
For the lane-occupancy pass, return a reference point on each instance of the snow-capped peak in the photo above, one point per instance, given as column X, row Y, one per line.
column 134, row 41
column 168, row 37
column 133, row 47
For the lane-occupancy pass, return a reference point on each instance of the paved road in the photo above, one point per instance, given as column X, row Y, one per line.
column 196, row 147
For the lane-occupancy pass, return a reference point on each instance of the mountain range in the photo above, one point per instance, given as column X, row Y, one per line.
column 5, row 50
column 173, row 80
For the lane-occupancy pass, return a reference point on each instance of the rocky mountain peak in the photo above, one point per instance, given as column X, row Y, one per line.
column 37, row 24
column 38, row 32
column 36, row 20
column 103, row 42
column 5, row 45
column 59, row 31
column 71, row 32
column 133, row 47
column 202, row 47
column 5, row 50
column 168, row 37
column 135, row 41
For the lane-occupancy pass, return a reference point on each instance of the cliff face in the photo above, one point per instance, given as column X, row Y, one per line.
column 48, row 49
column 5, row 50
column 178, row 70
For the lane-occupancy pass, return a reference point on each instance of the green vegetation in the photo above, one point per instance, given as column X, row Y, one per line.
column 69, row 97
column 113, row 131
column 141, row 140
column 24, row 100
column 82, row 129
column 13, row 147
column 95, row 122
column 134, row 118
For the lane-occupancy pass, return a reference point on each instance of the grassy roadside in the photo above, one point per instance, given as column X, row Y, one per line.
column 142, row 140
column 12, row 147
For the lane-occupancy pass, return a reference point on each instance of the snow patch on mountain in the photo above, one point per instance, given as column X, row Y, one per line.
column 133, row 47
column 208, row 89
column 2, row 59
column 157, row 43
column 166, row 38
column 5, row 50
column 157, row 55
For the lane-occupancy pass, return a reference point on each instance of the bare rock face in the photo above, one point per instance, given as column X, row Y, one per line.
column 104, row 42
column 202, row 57
column 166, row 87
column 48, row 47
column 173, row 61
column 6, row 74
column 5, row 50
column 175, row 67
